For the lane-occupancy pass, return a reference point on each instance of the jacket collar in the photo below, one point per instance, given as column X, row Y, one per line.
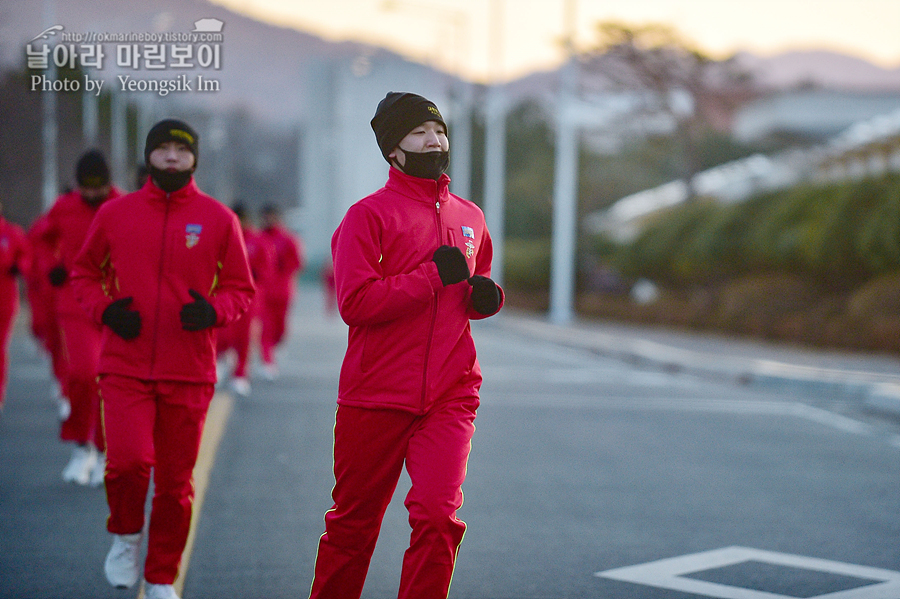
column 179, row 195
column 418, row 188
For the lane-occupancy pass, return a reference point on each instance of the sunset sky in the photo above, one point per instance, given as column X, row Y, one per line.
column 485, row 39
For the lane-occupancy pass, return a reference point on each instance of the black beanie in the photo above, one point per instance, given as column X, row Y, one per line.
column 172, row 130
column 398, row 114
column 92, row 170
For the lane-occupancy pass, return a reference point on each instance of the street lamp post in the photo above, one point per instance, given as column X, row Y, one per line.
column 565, row 187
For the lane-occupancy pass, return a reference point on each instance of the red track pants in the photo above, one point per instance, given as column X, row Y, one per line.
column 8, row 310
column 153, row 424
column 370, row 447
column 81, row 343
column 274, row 313
column 238, row 336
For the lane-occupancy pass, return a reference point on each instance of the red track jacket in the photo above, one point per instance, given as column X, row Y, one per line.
column 14, row 251
column 410, row 343
column 68, row 221
column 154, row 247
column 289, row 260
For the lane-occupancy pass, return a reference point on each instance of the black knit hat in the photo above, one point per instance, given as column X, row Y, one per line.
column 398, row 114
column 91, row 170
column 172, row 130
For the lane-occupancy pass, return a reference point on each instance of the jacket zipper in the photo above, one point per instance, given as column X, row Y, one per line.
column 434, row 305
column 162, row 254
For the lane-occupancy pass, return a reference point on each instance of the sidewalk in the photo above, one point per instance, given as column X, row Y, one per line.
column 873, row 379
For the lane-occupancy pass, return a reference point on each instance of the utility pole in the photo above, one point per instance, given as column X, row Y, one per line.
column 461, row 145
column 89, row 120
column 118, row 132
column 495, row 148
column 565, row 186
column 49, row 130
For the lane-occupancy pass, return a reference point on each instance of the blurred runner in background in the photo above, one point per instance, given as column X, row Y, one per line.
column 42, row 303
column 279, row 291
column 239, row 335
column 68, row 222
column 14, row 261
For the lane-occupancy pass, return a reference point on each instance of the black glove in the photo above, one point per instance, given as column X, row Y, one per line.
column 451, row 264
column 58, row 275
column 124, row 322
column 197, row 315
column 485, row 295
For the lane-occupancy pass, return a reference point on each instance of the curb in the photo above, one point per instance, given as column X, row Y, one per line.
column 885, row 397
column 877, row 391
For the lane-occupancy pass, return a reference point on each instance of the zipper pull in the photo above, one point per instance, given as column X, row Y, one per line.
column 437, row 205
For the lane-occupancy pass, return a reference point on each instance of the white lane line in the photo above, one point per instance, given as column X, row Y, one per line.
column 722, row 406
column 670, row 574
column 841, row 423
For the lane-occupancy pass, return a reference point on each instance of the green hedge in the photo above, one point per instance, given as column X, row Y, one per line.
column 840, row 235
column 527, row 264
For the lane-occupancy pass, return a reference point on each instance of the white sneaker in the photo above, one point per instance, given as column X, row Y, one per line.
column 270, row 372
column 159, row 591
column 78, row 470
column 121, row 566
column 98, row 472
column 63, row 408
column 241, row 386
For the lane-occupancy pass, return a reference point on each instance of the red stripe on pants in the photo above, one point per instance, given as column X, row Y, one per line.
column 153, row 424
column 370, row 448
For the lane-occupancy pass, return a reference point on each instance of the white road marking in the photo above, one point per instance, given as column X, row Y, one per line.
column 670, row 574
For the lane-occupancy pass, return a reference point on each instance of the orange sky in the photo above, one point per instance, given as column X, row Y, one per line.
column 467, row 36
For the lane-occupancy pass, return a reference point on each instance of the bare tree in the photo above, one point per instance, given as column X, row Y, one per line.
column 670, row 77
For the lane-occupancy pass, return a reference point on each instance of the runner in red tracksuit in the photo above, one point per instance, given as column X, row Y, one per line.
column 42, row 303
column 278, row 292
column 14, row 261
column 68, row 221
column 161, row 268
column 409, row 383
column 240, row 334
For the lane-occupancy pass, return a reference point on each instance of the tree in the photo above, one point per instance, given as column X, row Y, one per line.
column 670, row 77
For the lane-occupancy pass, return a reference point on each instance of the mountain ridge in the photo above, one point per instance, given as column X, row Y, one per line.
column 264, row 64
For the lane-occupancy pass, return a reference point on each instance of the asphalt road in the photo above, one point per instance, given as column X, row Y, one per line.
column 589, row 477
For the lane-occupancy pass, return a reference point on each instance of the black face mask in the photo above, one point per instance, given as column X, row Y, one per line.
column 170, row 181
column 94, row 200
column 427, row 165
